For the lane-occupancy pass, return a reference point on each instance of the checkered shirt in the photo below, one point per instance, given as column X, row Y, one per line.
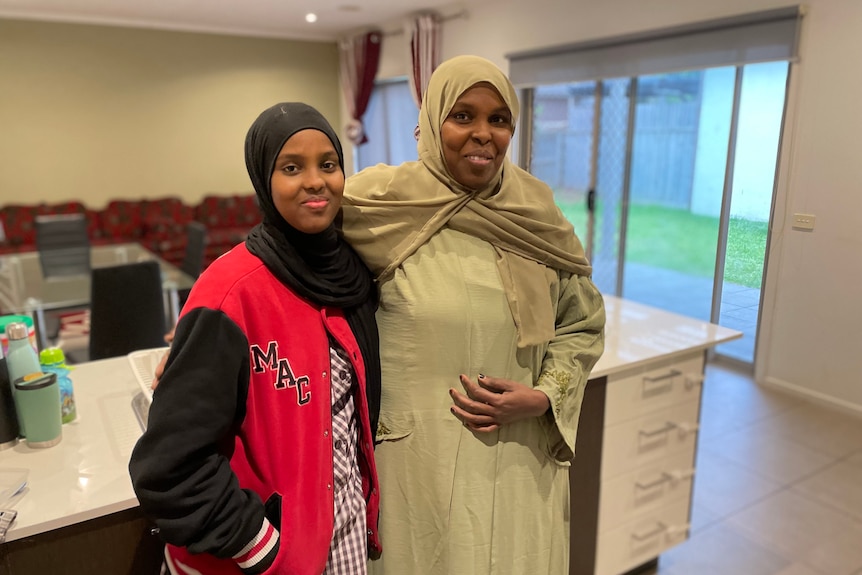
column 348, row 550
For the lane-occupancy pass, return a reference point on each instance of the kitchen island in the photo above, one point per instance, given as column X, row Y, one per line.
column 78, row 513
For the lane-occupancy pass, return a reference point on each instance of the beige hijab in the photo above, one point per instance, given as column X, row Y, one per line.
column 390, row 211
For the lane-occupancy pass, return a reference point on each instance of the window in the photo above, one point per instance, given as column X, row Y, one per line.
column 390, row 121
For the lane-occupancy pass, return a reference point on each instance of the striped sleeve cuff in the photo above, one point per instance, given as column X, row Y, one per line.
column 259, row 554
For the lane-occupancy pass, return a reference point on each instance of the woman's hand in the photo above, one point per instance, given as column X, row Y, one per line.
column 160, row 369
column 491, row 402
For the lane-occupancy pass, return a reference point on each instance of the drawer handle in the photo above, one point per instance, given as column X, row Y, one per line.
column 665, row 477
column 677, row 475
column 671, row 374
column 659, row 384
column 693, row 379
column 657, row 530
column 663, row 429
column 678, row 529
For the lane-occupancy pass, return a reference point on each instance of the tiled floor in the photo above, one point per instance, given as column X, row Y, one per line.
column 778, row 489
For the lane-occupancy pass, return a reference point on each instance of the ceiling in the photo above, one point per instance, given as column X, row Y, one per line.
column 271, row 18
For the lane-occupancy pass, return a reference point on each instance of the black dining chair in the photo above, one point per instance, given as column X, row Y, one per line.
column 193, row 260
column 196, row 243
column 64, row 252
column 63, row 245
column 127, row 309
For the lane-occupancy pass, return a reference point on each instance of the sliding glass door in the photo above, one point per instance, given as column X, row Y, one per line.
column 668, row 180
column 676, row 189
column 580, row 146
column 761, row 97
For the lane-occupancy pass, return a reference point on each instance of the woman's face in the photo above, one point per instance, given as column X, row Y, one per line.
column 476, row 135
column 307, row 183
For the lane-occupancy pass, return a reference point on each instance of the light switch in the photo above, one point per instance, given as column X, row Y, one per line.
column 803, row 221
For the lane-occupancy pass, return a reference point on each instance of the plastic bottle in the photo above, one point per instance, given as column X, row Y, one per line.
column 22, row 358
column 54, row 360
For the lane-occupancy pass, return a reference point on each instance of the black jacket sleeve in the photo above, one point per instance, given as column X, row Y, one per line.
column 182, row 480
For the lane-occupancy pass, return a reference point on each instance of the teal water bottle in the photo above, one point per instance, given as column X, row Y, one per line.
column 54, row 360
column 21, row 360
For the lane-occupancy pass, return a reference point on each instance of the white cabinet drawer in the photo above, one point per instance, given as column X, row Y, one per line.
column 634, row 393
column 645, row 490
column 642, row 539
column 633, row 444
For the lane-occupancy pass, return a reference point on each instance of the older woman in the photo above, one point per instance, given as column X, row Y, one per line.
column 489, row 326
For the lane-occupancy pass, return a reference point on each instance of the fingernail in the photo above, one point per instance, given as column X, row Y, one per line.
column 481, row 376
column 452, row 410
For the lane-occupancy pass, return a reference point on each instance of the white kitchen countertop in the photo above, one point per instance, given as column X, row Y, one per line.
column 636, row 334
column 86, row 475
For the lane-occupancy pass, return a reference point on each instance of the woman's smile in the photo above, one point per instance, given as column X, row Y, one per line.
column 316, row 203
column 479, row 159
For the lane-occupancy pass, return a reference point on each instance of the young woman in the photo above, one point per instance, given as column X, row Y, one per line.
column 258, row 455
column 489, row 326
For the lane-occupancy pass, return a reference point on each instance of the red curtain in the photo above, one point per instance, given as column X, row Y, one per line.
column 424, row 53
column 359, row 59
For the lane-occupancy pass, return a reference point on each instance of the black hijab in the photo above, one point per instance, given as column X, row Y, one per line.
column 320, row 267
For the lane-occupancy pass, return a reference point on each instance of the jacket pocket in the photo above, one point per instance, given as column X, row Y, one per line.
column 272, row 510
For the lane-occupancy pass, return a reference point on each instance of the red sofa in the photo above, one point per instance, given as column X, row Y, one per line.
column 158, row 224
column 228, row 219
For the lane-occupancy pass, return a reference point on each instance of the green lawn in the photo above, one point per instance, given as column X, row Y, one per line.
column 681, row 241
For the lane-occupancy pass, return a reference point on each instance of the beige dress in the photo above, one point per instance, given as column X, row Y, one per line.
column 454, row 501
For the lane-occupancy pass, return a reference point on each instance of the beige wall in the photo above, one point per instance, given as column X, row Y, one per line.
column 811, row 330
column 94, row 113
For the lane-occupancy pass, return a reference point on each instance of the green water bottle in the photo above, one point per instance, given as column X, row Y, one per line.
column 54, row 360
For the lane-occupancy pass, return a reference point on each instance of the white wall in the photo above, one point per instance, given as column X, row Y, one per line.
column 811, row 329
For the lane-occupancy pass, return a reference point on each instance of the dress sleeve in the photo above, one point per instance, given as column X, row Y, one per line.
column 577, row 345
column 179, row 473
